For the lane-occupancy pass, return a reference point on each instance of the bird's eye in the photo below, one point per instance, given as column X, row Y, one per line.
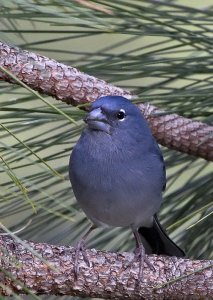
column 121, row 115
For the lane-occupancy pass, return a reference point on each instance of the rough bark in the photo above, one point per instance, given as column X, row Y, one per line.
column 74, row 87
column 108, row 276
column 179, row 133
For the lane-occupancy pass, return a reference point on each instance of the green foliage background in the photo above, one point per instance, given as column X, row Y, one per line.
column 163, row 52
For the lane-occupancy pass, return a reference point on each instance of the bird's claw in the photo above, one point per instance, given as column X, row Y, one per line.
column 142, row 258
column 80, row 248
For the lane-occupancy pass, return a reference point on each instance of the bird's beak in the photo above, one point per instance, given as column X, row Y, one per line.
column 97, row 120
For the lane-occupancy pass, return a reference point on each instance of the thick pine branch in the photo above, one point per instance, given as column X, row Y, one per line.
column 74, row 87
column 109, row 275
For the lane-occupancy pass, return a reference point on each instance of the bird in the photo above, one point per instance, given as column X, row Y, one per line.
column 117, row 173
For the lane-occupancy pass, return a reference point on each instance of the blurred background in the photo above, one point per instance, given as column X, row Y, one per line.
column 160, row 50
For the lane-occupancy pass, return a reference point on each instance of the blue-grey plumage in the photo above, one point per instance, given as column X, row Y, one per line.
column 118, row 174
column 116, row 168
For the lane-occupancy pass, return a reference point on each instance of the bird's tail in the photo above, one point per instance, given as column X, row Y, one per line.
column 156, row 240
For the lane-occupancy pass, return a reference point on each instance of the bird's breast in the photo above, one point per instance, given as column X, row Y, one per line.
column 112, row 185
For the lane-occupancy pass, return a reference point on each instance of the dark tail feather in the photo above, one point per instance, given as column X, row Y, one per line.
column 158, row 241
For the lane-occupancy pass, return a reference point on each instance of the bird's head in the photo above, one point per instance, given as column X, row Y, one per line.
column 111, row 112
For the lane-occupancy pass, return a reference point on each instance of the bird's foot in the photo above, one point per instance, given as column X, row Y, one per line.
column 80, row 248
column 141, row 256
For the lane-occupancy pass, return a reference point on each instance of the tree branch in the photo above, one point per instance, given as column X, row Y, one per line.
column 108, row 277
column 74, row 87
